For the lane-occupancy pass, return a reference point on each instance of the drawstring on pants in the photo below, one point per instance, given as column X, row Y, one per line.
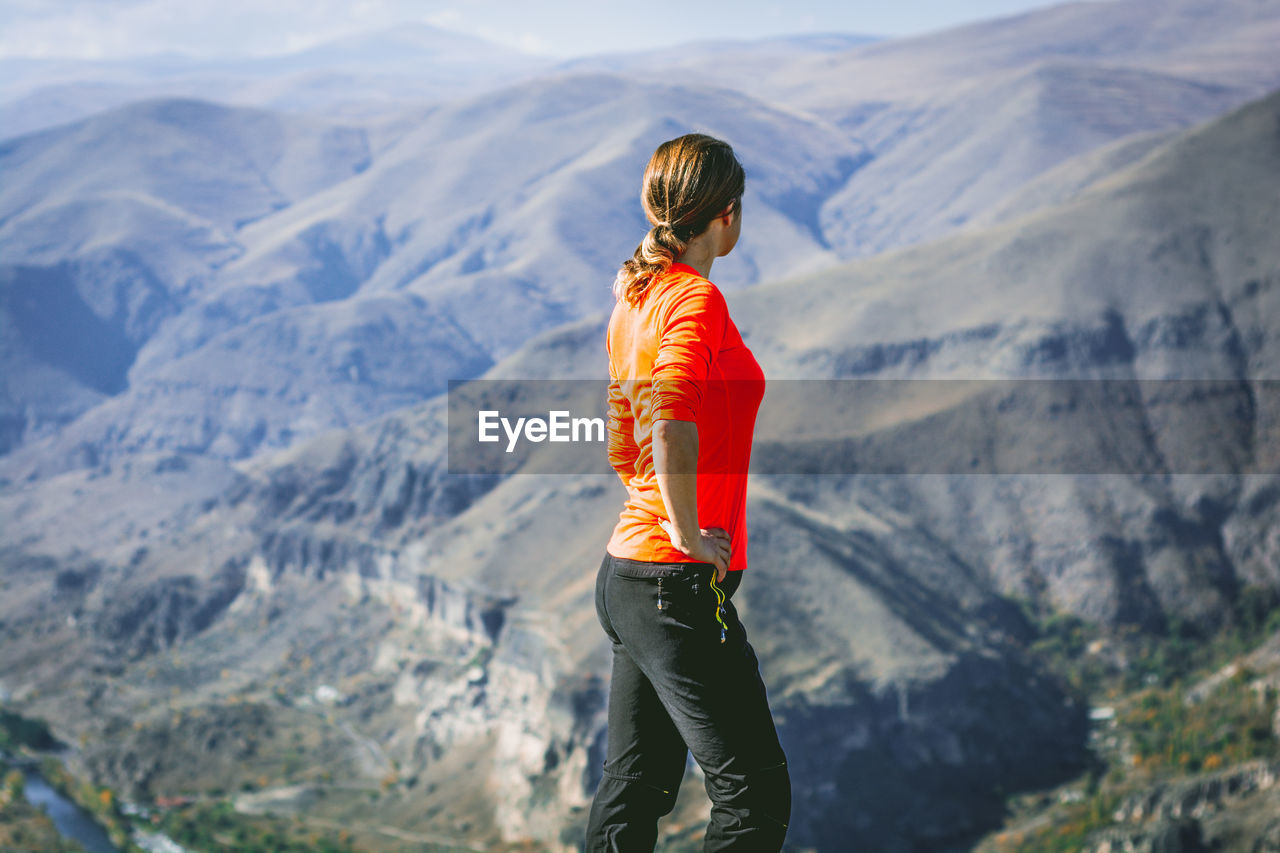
column 720, row 597
column 719, row 605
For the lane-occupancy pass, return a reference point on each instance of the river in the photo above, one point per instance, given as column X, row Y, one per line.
column 71, row 821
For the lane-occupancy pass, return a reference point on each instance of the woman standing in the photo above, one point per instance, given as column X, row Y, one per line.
column 683, row 395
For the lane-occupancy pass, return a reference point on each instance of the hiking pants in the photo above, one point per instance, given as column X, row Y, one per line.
column 685, row 679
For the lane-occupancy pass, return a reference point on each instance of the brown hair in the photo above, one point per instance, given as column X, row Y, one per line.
column 688, row 182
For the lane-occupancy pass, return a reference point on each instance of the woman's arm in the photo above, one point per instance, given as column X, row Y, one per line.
column 621, row 446
column 675, row 464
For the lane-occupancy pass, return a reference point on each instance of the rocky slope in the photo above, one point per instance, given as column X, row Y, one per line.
column 327, row 622
column 954, row 120
column 475, row 211
column 399, row 239
column 114, row 226
column 449, row 616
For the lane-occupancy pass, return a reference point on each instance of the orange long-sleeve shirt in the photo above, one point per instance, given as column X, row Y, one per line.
column 678, row 355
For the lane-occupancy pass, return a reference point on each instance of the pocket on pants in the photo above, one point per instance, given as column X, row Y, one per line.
column 682, row 596
column 602, row 612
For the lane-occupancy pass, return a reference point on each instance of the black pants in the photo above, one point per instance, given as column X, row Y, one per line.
column 677, row 687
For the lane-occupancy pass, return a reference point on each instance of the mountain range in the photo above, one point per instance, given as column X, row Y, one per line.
column 228, row 332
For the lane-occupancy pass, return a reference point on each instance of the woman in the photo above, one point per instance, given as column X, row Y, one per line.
column 683, row 396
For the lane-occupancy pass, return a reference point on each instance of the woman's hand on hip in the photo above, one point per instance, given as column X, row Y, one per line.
column 711, row 545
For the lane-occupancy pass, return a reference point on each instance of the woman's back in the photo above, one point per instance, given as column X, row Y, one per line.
column 678, row 355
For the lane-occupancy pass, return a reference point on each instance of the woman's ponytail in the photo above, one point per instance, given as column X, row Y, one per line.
column 687, row 182
column 652, row 258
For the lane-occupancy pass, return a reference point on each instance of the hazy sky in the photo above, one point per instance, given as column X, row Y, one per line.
column 561, row 28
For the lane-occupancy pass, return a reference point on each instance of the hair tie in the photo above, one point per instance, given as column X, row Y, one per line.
column 675, row 231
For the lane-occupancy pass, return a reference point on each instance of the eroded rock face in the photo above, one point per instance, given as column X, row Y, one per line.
column 1164, row 836
column 1201, row 796
column 144, row 618
column 431, row 637
column 1231, row 810
column 926, row 765
column 147, row 757
column 1269, row 841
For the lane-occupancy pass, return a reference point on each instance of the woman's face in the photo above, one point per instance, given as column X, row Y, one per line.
column 734, row 230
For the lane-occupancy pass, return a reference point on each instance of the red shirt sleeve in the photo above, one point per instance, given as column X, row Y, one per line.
column 622, row 447
column 690, row 337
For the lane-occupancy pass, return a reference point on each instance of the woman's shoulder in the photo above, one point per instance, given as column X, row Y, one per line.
column 683, row 275
column 693, row 295
column 678, row 292
column 682, row 284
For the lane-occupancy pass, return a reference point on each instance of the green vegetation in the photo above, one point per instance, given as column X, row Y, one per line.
column 1069, row 830
column 216, row 827
column 23, row 821
column 27, row 829
column 1141, row 659
column 481, row 657
column 1231, row 725
column 101, row 803
column 16, row 731
column 1161, row 730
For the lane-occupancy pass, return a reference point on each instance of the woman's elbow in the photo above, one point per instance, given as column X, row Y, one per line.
column 667, row 429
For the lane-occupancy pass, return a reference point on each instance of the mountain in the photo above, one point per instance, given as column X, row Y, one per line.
column 476, row 211
column 451, row 613
column 409, row 48
column 939, row 162
column 955, row 120
column 1224, row 43
column 235, row 533
column 115, row 225
column 364, row 74
column 1165, row 270
column 728, row 62
column 468, row 206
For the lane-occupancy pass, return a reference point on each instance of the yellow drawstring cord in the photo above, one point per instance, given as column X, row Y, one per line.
column 719, row 604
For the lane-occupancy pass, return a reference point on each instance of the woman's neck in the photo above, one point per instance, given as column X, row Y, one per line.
column 699, row 256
